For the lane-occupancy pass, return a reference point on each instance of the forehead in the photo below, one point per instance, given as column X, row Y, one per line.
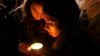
column 47, row 17
column 37, row 4
column 39, row 8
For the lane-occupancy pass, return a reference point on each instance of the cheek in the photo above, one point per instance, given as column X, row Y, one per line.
column 37, row 12
column 36, row 15
column 53, row 31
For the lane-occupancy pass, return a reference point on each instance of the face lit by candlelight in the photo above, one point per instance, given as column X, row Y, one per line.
column 37, row 11
column 52, row 28
column 51, row 25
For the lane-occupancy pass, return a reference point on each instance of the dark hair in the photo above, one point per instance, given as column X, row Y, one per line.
column 10, row 4
column 66, row 12
column 29, row 2
column 7, row 2
column 29, row 24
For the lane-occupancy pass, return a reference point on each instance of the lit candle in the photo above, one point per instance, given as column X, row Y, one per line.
column 35, row 46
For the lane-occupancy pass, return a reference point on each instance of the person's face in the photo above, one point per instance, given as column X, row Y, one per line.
column 37, row 11
column 51, row 26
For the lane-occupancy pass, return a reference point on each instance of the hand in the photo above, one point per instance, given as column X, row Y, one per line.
column 23, row 48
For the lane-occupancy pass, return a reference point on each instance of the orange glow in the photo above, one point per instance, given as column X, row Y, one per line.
column 37, row 11
column 52, row 29
column 38, row 14
column 23, row 48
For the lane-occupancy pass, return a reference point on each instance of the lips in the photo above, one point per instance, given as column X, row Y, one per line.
column 50, row 33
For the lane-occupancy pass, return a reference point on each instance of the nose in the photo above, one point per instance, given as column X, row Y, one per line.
column 41, row 16
column 46, row 27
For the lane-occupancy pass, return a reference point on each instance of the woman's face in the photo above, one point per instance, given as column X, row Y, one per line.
column 51, row 26
column 37, row 11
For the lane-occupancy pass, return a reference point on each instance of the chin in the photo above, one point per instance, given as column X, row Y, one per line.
column 37, row 18
column 55, row 36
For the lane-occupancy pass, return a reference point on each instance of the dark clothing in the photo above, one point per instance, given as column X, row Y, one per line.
column 8, row 34
column 75, row 43
column 82, row 43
